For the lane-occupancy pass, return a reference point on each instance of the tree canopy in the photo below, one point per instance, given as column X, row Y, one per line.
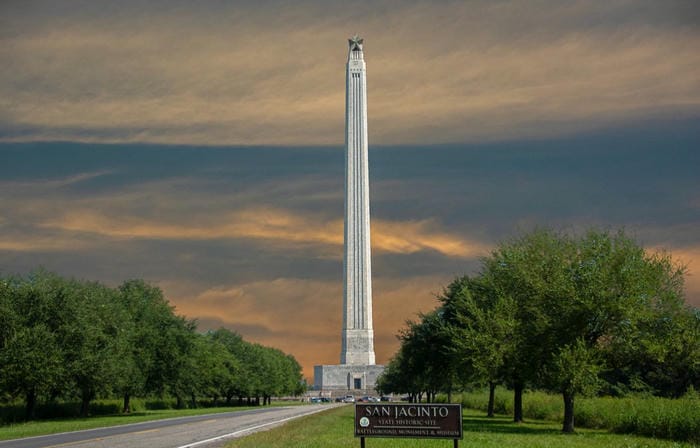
column 69, row 339
column 595, row 313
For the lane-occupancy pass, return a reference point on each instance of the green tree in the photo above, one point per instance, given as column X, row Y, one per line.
column 481, row 325
column 426, row 357
column 576, row 298
column 31, row 356
column 148, row 358
column 92, row 339
column 531, row 272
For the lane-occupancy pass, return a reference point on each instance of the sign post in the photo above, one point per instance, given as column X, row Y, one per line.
column 419, row 421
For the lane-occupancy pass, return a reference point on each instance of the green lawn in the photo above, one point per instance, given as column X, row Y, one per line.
column 335, row 428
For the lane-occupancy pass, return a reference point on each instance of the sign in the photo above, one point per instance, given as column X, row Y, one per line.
column 434, row 421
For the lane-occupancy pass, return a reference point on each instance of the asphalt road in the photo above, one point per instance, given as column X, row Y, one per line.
column 201, row 431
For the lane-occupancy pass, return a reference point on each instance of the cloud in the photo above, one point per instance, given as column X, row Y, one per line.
column 275, row 226
column 690, row 258
column 303, row 316
column 43, row 244
column 446, row 72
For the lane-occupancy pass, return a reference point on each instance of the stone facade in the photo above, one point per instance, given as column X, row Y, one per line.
column 358, row 336
column 357, row 369
column 346, row 377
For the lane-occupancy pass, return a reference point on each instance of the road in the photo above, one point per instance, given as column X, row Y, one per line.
column 202, row 431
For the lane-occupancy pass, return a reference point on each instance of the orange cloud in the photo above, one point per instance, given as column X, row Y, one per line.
column 690, row 257
column 304, row 317
column 43, row 244
column 279, row 226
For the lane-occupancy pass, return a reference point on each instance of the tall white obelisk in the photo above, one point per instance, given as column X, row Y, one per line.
column 358, row 335
column 357, row 369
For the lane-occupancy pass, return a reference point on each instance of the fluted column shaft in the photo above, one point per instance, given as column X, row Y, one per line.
column 358, row 335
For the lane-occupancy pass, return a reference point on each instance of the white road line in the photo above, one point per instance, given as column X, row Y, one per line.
column 252, row 428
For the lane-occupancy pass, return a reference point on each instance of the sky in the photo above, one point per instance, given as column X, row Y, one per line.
column 199, row 146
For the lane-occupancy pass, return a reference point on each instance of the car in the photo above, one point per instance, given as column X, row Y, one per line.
column 316, row 400
column 384, row 398
column 348, row 399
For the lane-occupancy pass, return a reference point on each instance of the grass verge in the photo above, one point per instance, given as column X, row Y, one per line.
column 335, row 428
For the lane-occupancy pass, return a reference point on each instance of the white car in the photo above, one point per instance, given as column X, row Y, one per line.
column 349, row 399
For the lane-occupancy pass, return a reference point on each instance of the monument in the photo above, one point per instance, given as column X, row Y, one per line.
column 357, row 369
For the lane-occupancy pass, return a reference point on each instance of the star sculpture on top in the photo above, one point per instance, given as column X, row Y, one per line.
column 355, row 43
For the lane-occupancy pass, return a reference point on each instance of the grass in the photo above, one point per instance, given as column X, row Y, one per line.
column 42, row 427
column 676, row 419
column 335, row 428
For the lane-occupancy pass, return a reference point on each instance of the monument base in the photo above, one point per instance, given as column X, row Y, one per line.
column 346, row 377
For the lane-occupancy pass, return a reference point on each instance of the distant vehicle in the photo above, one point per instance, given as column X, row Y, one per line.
column 339, row 399
column 368, row 399
column 349, row 399
column 325, row 400
column 384, row 398
column 316, row 400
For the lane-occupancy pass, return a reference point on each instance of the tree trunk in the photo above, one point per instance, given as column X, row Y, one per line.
column 193, row 400
column 179, row 401
column 568, row 413
column 127, row 405
column 31, row 404
column 492, row 398
column 86, row 396
column 518, row 402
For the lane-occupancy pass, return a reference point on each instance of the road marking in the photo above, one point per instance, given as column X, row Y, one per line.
column 252, row 428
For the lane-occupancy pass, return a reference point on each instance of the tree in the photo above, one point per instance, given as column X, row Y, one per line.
column 92, row 339
column 424, row 364
column 480, row 324
column 529, row 271
column 31, row 358
column 579, row 297
column 149, row 357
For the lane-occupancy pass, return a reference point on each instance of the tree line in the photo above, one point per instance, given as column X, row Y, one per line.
column 575, row 315
column 65, row 339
